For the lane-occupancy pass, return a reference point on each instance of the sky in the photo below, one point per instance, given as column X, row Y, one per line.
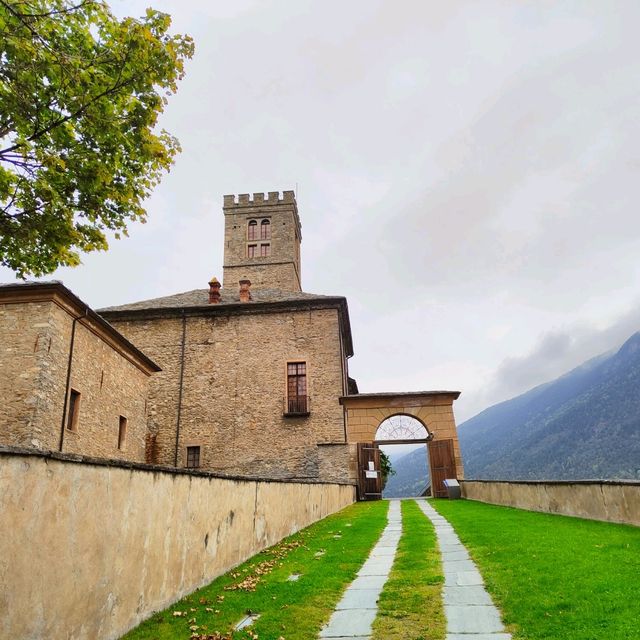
column 467, row 175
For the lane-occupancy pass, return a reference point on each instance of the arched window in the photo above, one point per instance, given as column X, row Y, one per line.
column 252, row 231
column 265, row 230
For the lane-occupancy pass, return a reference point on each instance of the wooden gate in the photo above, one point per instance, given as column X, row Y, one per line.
column 442, row 465
column 369, row 475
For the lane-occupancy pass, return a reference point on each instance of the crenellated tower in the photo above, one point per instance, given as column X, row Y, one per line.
column 262, row 238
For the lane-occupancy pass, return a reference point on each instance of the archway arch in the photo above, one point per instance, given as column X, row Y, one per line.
column 366, row 412
column 402, row 427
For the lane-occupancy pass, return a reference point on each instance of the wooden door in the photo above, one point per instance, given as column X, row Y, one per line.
column 369, row 475
column 442, row 465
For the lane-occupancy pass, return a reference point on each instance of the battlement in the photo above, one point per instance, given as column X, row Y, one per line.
column 247, row 200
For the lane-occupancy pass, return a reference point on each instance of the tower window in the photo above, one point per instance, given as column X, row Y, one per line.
column 251, row 250
column 193, row 457
column 265, row 230
column 252, row 230
column 265, row 250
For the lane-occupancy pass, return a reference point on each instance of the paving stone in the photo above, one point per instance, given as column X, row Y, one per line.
column 472, row 619
column 376, row 568
column 368, row 582
column 475, row 594
column 450, row 556
column 359, row 599
column 462, row 578
column 457, row 565
column 349, row 622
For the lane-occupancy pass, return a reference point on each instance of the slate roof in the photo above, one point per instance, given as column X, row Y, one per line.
column 196, row 302
column 200, row 298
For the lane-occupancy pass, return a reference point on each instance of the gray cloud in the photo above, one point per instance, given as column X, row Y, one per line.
column 466, row 175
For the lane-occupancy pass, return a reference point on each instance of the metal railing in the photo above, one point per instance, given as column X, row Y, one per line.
column 297, row 406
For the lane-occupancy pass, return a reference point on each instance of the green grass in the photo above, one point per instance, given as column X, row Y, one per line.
column 289, row 610
column 554, row 577
column 410, row 606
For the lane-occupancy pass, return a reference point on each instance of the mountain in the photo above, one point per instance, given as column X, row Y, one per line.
column 584, row 425
column 411, row 477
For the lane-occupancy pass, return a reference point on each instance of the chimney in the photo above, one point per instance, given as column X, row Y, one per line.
column 245, row 294
column 214, row 291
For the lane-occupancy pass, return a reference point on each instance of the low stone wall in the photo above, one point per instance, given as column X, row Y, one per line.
column 613, row 501
column 90, row 548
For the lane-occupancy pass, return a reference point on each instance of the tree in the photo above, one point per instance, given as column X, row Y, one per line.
column 80, row 96
column 386, row 468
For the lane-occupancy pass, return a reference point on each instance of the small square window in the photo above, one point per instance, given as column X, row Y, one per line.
column 251, row 250
column 193, row 457
column 265, row 250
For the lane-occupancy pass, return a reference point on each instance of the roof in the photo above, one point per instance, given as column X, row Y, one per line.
column 399, row 394
column 55, row 291
column 200, row 298
column 196, row 302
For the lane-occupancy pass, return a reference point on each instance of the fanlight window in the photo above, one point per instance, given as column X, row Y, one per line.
column 401, row 428
column 252, row 231
column 265, row 230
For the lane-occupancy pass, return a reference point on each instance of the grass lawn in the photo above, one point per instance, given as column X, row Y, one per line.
column 328, row 554
column 554, row 577
column 410, row 607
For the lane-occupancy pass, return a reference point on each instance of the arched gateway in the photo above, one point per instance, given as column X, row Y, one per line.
column 368, row 426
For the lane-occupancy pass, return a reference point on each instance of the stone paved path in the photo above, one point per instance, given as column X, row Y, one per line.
column 356, row 611
column 470, row 613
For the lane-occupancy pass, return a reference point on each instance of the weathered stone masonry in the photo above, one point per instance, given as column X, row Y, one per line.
column 52, row 343
column 233, row 378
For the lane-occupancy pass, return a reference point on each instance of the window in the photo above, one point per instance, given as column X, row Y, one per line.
column 122, row 432
column 251, row 250
column 265, row 230
column 265, row 250
column 297, row 400
column 252, row 230
column 74, row 408
column 193, row 457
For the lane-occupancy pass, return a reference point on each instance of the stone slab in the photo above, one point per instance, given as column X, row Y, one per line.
column 359, row 599
column 457, row 565
column 462, row 578
column 475, row 594
column 349, row 622
column 368, row 582
column 451, row 556
column 472, row 619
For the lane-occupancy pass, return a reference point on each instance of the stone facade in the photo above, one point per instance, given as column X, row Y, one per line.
column 42, row 325
column 227, row 393
column 281, row 268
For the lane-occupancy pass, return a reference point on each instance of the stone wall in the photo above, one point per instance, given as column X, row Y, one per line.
column 34, row 363
column 89, row 549
column 613, row 501
column 234, row 388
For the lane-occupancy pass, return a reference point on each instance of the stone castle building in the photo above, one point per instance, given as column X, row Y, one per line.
column 249, row 377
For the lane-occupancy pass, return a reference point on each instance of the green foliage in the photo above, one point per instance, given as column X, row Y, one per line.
column 386, row 468
column 80, row 96
column 553, row 577
column 410, row 605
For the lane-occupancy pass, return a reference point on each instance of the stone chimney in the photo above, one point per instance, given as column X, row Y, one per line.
column 214, row 291
column 245, row 293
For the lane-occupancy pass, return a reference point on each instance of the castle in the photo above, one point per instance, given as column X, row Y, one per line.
column 245, row 378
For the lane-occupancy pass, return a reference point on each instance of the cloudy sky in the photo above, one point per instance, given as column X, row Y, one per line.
column 467, row 174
